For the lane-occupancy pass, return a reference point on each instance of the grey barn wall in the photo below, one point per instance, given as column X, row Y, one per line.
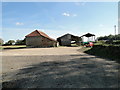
column 40, row 41
column 66, row 40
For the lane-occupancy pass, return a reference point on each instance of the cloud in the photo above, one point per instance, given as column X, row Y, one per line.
column 66, row 14
column 19, row 23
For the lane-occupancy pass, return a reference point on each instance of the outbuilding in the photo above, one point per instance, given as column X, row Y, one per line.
column 88, row 35
column 39, row 39
column 68, row 39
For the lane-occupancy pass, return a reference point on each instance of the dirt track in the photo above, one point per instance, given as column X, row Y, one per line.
column 63, row 67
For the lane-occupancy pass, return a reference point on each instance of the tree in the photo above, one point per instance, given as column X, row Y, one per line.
column 10, row 42
column 20, row 42
column 110, row 37
column 1, row 41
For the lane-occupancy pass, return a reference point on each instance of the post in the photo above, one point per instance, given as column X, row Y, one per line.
column 94, row 38
column 115, row 29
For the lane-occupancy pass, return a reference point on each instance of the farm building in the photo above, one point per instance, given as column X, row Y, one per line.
column 88, row 35
column 68, row 39
column 39, row 39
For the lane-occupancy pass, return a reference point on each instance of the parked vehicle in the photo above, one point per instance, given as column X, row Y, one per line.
column 88, row 44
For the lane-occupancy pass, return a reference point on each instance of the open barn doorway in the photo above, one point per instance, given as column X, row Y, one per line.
column 69, row 40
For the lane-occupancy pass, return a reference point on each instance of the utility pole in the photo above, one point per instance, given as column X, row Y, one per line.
column 115, row 29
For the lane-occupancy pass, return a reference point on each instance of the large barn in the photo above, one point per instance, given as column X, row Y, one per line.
column 68, row 39
column 39, row 39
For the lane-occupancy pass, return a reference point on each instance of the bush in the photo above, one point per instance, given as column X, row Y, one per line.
column 6, row 44
column 116, row 42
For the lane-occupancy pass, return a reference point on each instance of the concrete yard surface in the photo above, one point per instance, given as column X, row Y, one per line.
column 62, row 67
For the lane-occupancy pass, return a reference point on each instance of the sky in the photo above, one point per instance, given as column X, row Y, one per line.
column 58, row 18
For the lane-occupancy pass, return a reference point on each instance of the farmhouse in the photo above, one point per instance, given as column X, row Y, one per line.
column 39, row 39
column 68, row 39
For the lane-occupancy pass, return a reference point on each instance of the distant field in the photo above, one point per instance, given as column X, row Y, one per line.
column 13, row 46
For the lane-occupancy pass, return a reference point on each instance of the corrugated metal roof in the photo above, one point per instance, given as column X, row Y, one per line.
column 39, row 33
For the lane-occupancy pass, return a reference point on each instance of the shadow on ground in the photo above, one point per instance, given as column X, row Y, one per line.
column 7, row 48
column 84, row 72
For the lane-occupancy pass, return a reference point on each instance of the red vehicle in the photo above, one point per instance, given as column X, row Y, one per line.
column 89, row 44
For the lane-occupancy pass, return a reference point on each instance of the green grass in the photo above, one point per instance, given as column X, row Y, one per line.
column 13, row 46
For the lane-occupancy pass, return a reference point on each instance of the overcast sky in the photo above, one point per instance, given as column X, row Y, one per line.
column 58, row 18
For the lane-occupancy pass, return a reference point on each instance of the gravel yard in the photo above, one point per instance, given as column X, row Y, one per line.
column 62, row 67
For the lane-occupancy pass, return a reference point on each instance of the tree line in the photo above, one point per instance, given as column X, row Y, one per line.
column 12, row 42
column 109, row 37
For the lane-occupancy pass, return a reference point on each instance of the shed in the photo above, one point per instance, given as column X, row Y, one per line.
column 68, row 39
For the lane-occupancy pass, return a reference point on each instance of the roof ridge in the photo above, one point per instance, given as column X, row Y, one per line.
column 38, row 31
column 41, row 34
